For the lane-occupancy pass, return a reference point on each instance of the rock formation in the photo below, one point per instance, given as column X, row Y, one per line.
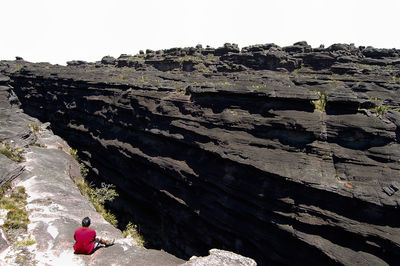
column 220, row 258
column 283, row 154
column 54, row 203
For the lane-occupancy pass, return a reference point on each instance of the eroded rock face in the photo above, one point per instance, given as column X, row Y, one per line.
column 280, row 154
column 54, row 204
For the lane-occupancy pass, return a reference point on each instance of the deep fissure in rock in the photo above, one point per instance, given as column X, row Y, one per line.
column 202, row 166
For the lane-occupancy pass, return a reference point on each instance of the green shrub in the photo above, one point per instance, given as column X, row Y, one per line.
column 105, row 193
column 98, row 197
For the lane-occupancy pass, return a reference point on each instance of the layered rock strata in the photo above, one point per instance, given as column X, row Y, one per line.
column 54, row 204
column 285, row 155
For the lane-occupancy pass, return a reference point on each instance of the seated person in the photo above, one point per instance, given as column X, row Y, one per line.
column 85, row 238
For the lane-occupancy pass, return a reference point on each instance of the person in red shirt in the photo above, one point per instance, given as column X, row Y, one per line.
column 85, row 238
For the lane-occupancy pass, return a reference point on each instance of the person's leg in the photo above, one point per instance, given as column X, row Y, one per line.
column 104, row 242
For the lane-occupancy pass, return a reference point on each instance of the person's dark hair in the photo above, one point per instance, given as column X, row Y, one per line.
column 86, row 222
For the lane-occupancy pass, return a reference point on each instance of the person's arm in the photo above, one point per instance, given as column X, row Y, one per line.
column 94, row 236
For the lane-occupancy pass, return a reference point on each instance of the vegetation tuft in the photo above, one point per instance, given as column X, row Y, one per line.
column 259, row 86
column 14, row 201
column 33, row 127
column 98, row 196
column 131, row 230
column 395, row 79
column 320, row 104
column 25, row 242
column 181, row 91
column 4, row 188
column 74, row 153
column 38, row 144
column 13, row 153
column 379, row 109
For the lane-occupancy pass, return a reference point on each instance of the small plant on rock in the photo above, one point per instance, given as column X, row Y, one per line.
column 4, row 188
column 131, row 230
column 84, row 170
column 13, row 153
column 33, row 127
column 379, row 109
column 97, row 196
column 260, row 86
column 18, row 67
column 181, row 91
column 25, row 242
column 320, row 104
column 38, row 144
column 395, row 79
column 74, row 153
column 14, row 203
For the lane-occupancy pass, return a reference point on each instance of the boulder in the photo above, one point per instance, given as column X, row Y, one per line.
column 379, row 53
column 108, row 60
column 227, row 48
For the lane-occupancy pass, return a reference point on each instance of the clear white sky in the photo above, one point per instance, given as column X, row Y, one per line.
column 57, row 31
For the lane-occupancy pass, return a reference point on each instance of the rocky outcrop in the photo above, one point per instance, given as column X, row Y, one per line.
column 285, row 155
column 220, row 258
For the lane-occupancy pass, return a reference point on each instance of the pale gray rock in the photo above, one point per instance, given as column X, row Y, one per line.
column 219, row 257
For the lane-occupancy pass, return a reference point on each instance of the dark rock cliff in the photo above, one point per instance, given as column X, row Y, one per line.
column 286, row 155
column 53, row 203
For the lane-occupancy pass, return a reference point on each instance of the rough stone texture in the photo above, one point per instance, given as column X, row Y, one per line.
column 227, row 150
column 55, row 205
column 10, row 131
column 220, row 258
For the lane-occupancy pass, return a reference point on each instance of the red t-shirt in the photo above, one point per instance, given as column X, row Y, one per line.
column 84, row 238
